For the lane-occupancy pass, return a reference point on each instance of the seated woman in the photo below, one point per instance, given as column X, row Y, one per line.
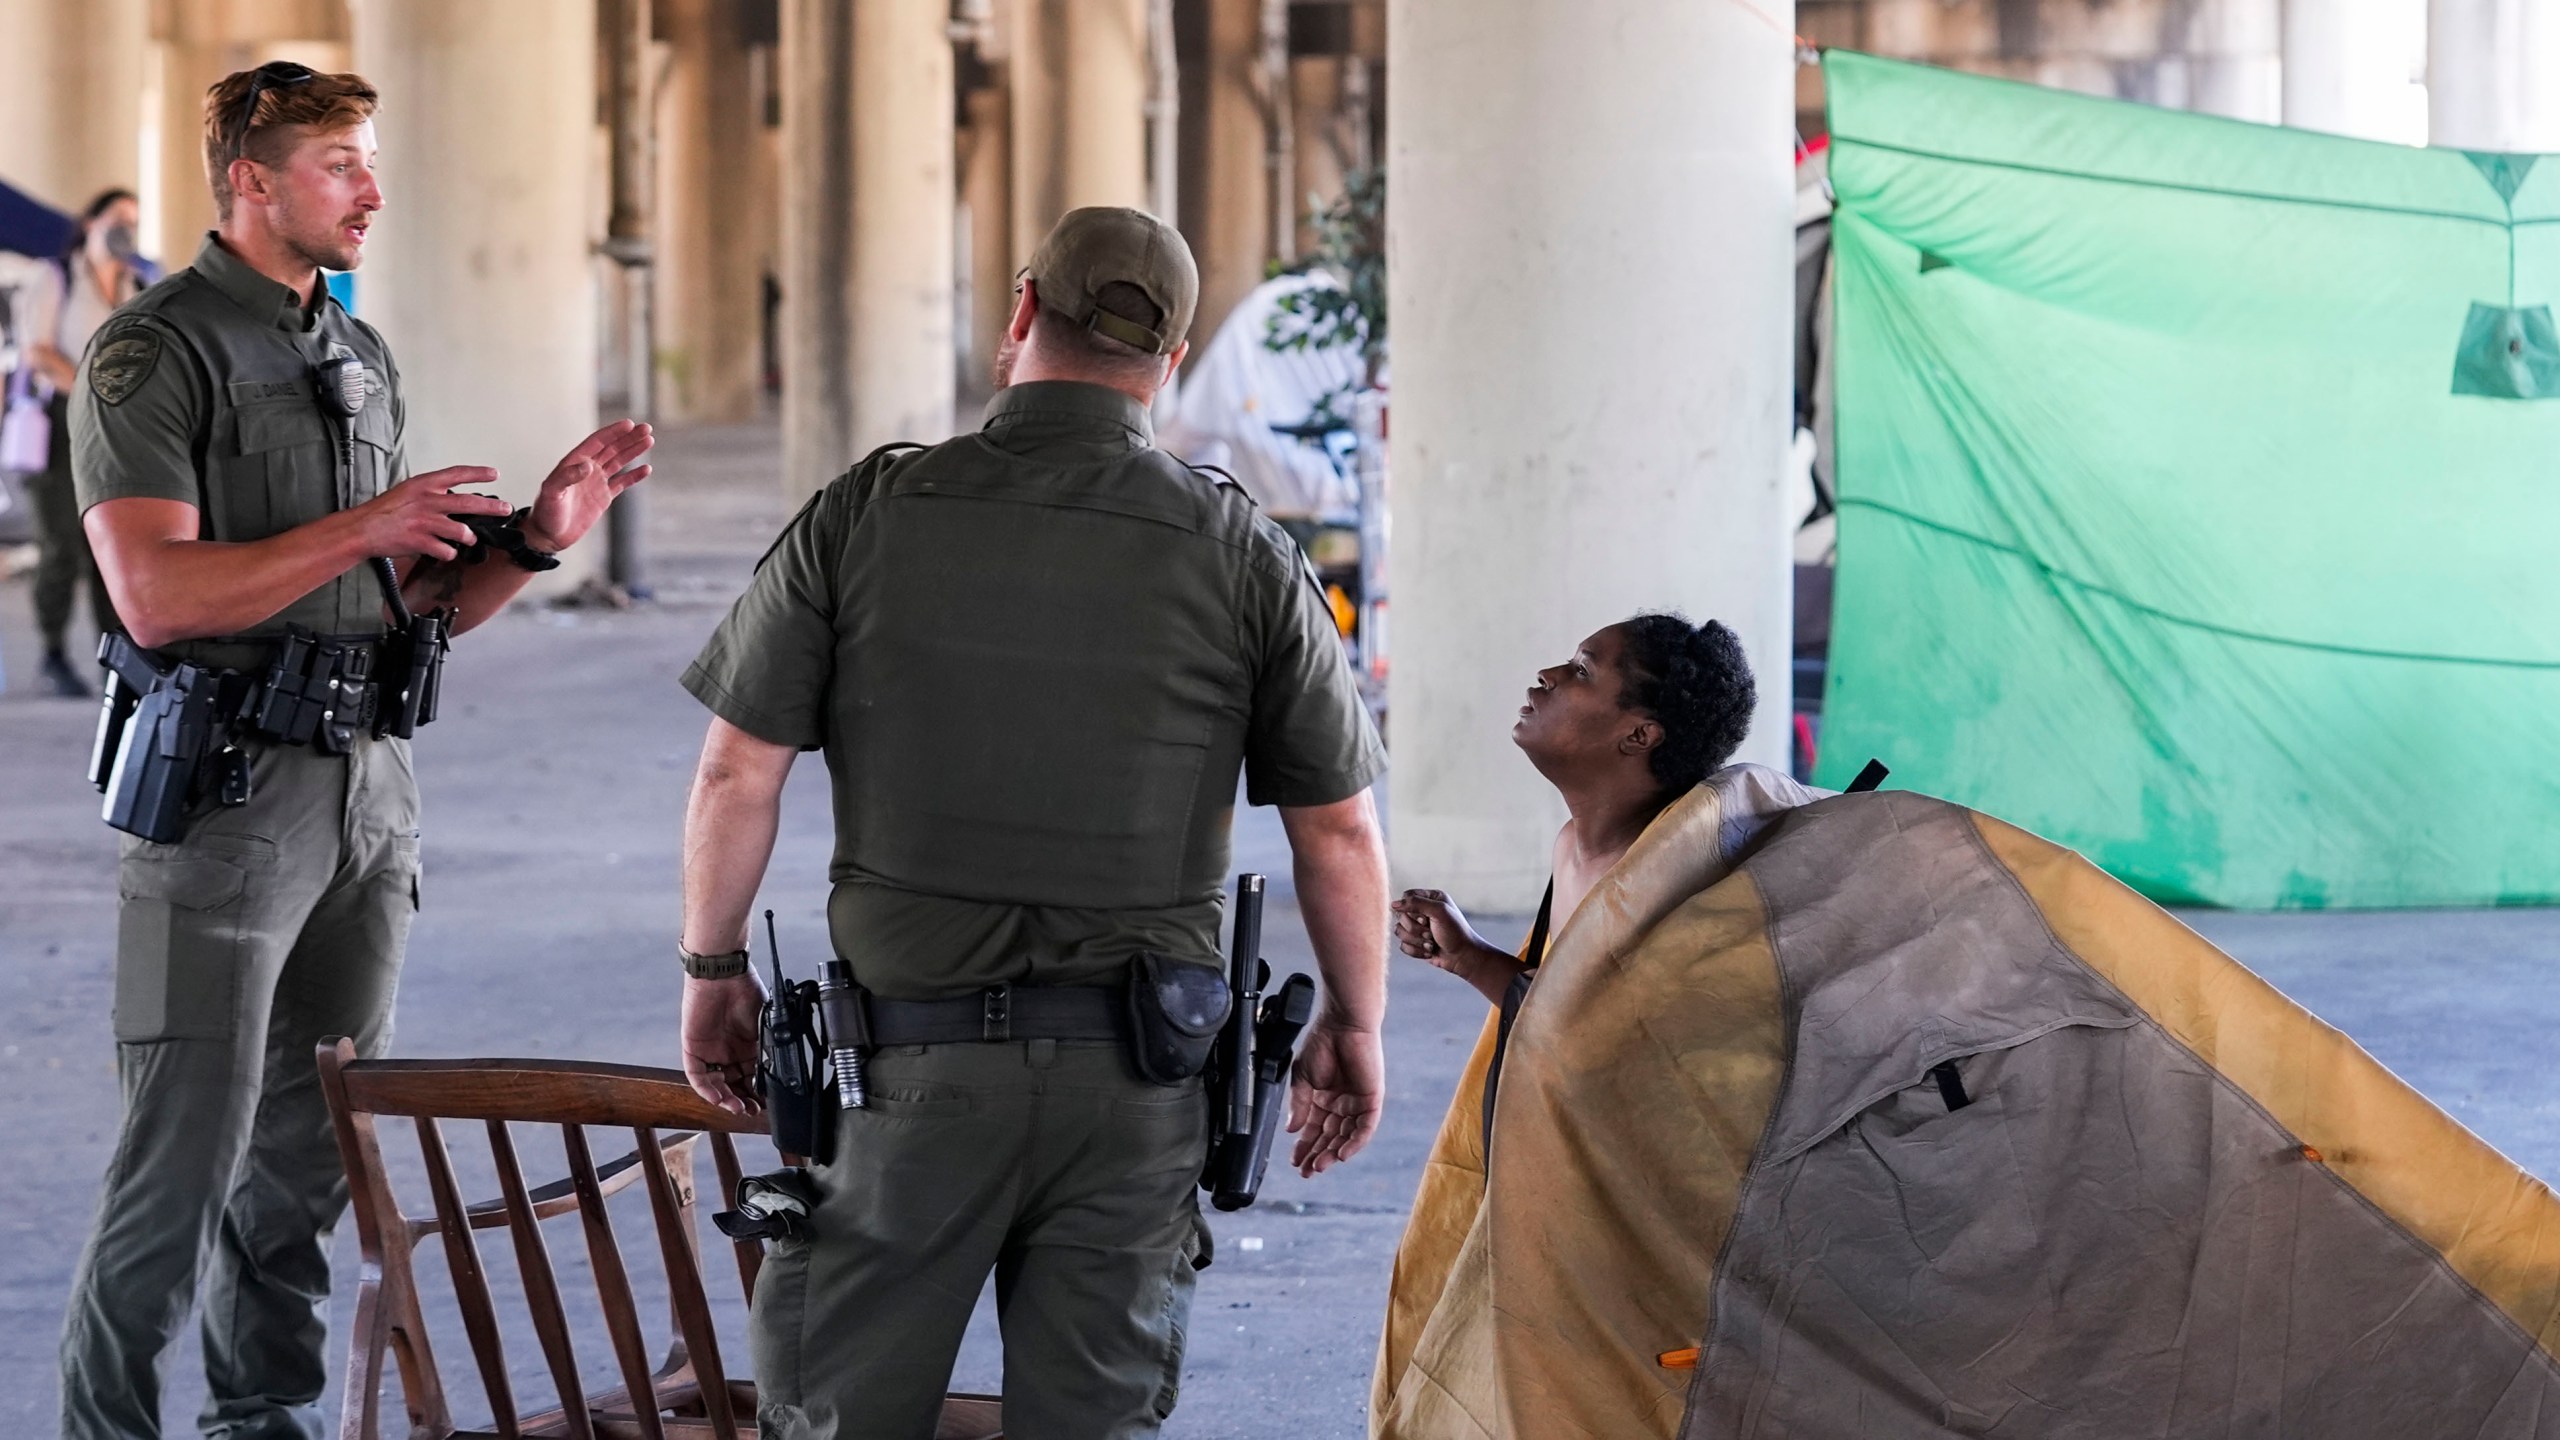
column 1632, row 731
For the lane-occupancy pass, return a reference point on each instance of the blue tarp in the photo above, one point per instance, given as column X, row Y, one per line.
column 28, row 225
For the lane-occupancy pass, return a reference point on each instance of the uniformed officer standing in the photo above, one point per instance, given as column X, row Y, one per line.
column 228, row 509
column 1036, row 658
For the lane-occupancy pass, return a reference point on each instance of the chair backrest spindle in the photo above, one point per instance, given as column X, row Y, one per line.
column 470, row 1279
column 541, row 1287
column 613, row 1285
column 724, row 1160
column 674, row 1215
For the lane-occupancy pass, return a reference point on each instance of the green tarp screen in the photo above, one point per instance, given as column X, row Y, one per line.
column 2200, row 491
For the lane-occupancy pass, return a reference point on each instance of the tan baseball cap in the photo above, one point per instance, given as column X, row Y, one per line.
column 1105, row 244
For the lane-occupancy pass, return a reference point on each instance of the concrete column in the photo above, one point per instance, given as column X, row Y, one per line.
column 481, row 272
column 1226, row 209
column 2493, row 74
column 71, row 102
column 866, row 248
column 1079, row 70
column 708, row 271
column 2348, row 68
column 2234, row 59
column 1327, row 136
column 180, row 209
column 986, row 192
column 1589, row 259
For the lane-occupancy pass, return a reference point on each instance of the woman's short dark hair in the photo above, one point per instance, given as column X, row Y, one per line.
column 1696, row 684
column 97, row 206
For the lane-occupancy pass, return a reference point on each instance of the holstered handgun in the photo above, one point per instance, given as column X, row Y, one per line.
column 161, row 748
column 1249, row 1071
column 128, row 674
column 1233, row 1176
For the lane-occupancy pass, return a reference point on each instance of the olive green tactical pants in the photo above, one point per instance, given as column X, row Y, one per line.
column 238, row 949
column 1050, row 1163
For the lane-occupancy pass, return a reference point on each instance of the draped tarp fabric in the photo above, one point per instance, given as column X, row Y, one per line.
column 2197, row 490
column 1873, row 1116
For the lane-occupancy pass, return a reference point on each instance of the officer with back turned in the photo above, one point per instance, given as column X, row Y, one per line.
column 1036, row 658
column 237, row 451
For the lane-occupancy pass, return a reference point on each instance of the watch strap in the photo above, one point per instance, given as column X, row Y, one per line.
column 727, row 965
column 519, row 549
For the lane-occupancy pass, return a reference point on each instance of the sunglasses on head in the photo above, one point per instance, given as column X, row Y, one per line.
column 274, row 75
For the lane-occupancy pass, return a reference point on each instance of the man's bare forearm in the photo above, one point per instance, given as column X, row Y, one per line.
column 1341, row 869
column 473, row 592
column 729, row 826
column 168, row 589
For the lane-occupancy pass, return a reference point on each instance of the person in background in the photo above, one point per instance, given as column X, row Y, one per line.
column 98, row 270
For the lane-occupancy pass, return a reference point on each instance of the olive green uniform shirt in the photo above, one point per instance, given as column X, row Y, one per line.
column 1037, row 658
column 202, row 390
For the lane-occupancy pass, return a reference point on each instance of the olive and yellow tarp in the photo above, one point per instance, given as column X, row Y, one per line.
column 2198, row 490
column 1872, row 1116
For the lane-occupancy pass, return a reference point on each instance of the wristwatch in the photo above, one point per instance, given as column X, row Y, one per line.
column 506, row 536
column 727, row 965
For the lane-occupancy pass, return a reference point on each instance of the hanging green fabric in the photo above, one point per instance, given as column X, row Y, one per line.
column 2199, row 490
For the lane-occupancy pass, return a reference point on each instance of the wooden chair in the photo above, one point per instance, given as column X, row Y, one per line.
column 690, row 1395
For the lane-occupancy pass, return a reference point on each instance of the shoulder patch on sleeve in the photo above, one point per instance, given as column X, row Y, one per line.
column 122, row 363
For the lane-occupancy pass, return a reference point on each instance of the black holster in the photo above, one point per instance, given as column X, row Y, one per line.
column 1233, row 1174
column 160, row 743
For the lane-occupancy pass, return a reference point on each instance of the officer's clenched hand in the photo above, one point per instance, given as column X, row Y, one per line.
column 720, row 1041
column 417, row 516
column 1335, row 1100
column 576, row 492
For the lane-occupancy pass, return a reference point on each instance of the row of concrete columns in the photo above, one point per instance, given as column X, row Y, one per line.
column 2490, row 69
column 1588, row 250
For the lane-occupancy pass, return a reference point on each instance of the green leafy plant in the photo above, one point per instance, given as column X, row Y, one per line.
column 1351, row 248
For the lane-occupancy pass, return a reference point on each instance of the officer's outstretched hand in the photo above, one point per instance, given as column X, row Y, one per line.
column 719, row 1027
column 576, row 492
column 1334, row 1102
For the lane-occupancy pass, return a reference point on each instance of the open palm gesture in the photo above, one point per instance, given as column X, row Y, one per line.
column 579, row 489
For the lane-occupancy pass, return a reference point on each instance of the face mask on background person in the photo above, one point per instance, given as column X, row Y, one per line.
column 118, row 241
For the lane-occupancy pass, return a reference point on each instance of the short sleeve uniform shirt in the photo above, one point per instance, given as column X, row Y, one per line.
column 1037, row 658
column 203, row 390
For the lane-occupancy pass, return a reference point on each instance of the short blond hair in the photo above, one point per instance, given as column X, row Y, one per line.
column 285, row 113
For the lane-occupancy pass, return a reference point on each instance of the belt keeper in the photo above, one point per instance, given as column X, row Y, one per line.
column 995, row 1018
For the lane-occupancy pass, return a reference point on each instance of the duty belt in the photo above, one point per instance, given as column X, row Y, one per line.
column 998, row 1013
column 170, row 730
column 298, row 688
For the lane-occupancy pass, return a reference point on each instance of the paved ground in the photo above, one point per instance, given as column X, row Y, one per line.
column 554, row 790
